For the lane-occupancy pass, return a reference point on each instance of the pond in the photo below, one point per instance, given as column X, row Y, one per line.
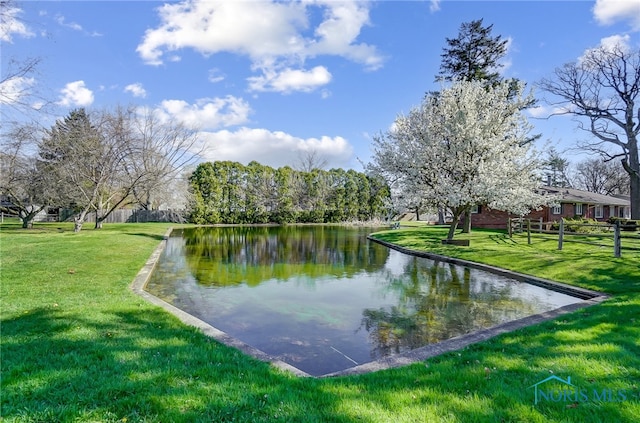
column 324, row 298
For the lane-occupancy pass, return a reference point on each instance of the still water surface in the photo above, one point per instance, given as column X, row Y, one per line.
column 324, row 298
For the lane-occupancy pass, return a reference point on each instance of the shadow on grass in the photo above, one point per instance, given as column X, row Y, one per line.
column 613, row 278
column 157, row 237
column 502, row 239
column 61, row 366
column 141, row 365
column 37, row 229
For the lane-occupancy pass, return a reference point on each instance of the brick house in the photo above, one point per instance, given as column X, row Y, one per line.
column 572, row 203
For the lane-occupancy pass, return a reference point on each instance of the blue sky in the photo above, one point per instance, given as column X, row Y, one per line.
column 271, row 81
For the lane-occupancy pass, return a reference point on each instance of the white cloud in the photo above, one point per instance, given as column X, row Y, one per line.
column 72, row 25
column 255, row 29
column 76, row 94
column 544, row 112
column 616, row 41
column 506, row 61
column 271, row 148
column 337, row 34
column 137, row 90
column 608, row 12
column 275, row 35
column 538, row 111
column 215, row 75
column 11, row 25
column 288, row 80
column 61, row 20
column 13, row 89
column 608, row 44
column 207, row 113
column 434, row 6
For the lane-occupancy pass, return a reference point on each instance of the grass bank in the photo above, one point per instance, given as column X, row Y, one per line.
column 78, row 346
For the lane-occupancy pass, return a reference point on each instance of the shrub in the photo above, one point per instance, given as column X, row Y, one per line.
column 625, row 224
column 584, row 226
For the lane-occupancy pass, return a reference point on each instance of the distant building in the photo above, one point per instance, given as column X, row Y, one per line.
column 571, row 203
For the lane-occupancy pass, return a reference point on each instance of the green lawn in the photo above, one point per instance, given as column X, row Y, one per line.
column 78, row 346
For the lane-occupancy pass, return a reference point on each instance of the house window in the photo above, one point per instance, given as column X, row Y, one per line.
column 612, row 211
column 599, row 211
column 557, row 209
column 579, row 209
column 475, row 209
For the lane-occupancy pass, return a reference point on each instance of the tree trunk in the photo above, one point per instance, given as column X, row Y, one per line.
column 27, row 219
column 78, row 220
column 466, row 224
column 100, row 217
column 633, row 169
column 417, row 213
column 454, row 223
column 635, row 196
column 440, row 216
column 27, row 215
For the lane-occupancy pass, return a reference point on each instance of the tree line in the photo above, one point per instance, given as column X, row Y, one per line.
column 594, row 175
column 261, row 253
column 230, row 192
column 465, row 145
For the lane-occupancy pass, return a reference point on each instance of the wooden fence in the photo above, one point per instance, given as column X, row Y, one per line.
column 601, row 234
column 134, row 216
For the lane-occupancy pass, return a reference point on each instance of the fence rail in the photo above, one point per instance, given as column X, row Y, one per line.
column 135, row 216
column 583, row 233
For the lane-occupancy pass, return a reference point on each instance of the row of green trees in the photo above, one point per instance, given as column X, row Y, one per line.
column 230, row 192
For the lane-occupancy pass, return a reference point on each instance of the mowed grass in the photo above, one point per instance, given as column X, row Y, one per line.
column 78, row 346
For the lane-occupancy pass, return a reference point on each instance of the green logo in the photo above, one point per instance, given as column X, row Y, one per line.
column 556, row 389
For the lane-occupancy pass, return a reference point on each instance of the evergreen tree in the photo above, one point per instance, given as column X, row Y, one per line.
column 555, row 168
column 473, row 56
column 74, row 152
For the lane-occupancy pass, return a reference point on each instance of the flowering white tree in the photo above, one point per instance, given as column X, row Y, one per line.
column 464, row 146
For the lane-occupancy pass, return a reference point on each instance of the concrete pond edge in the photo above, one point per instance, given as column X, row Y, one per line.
column 138, row 287
column 588, row 298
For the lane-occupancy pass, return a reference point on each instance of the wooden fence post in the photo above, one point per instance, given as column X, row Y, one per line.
column 521, row 225
column 540, row 227
column 509, row 227
column 561, row 234
column 528, row 231
column 617, row 242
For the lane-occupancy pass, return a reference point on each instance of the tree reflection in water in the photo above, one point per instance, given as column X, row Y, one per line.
column 321, row 297
column 438, row 301
column 226, row 256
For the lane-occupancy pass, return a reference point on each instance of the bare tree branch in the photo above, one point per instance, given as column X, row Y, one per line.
column 603, row 88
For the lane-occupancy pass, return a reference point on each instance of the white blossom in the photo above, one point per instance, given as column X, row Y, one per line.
column 465, row 146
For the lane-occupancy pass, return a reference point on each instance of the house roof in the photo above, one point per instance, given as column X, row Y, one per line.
column 571, row 195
